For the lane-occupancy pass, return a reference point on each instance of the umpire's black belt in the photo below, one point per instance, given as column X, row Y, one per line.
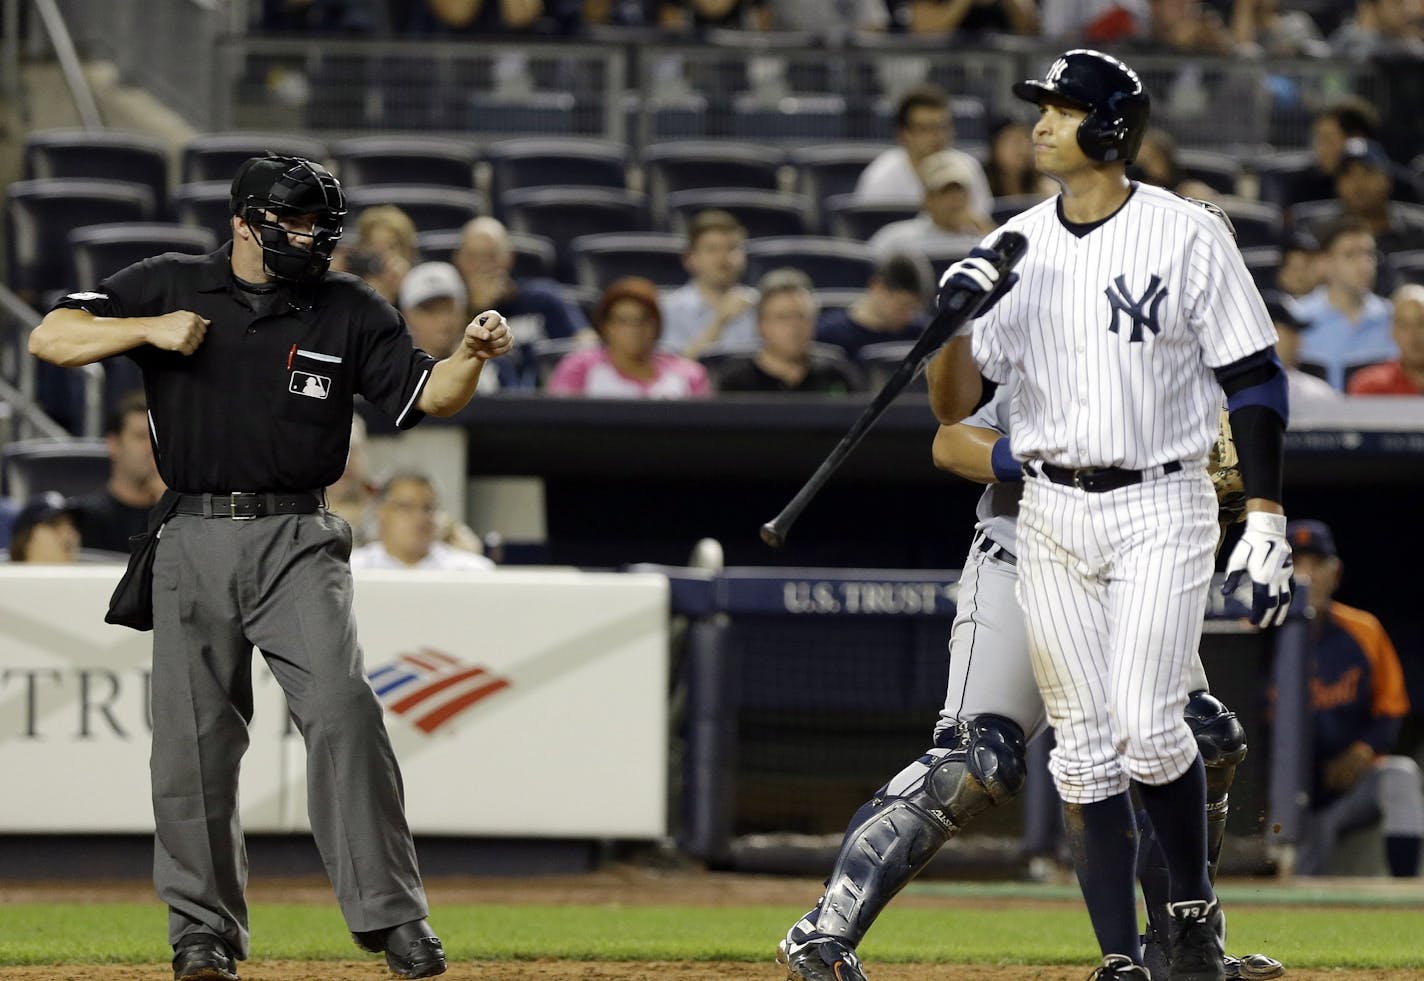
column 241, row 505
column 1100, row 479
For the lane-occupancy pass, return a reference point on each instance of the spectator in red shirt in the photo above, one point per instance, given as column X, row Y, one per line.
column 1405, row 374
column 1357, row 704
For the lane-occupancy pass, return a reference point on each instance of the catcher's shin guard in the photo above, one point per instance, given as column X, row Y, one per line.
column 1222, row 742
column 973, row 766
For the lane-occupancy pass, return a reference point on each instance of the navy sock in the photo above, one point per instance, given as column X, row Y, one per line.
column 1178, row 813
column 1103, row 837
column 1402, row 854
column 1152, row 875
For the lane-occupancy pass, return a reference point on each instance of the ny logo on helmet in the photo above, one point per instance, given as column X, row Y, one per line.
column 1142, row 310
column 1056, row 72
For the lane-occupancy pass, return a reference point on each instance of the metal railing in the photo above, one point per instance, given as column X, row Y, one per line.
column 17, row 377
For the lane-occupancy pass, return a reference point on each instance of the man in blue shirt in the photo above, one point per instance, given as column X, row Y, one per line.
column 1349, row 326
column 892, row 308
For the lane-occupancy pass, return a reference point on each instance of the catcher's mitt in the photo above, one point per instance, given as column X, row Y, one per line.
column 1225, row 469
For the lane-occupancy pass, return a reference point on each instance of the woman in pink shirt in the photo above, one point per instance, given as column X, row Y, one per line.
column 628, row 364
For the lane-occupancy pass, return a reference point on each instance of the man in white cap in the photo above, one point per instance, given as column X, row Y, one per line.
column 432, row 301
column 949, row 217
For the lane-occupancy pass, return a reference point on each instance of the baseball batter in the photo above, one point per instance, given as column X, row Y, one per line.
column 992, row 708
column 1133, row 313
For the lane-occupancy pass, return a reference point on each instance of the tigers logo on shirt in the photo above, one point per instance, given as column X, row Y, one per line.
column 310, row 385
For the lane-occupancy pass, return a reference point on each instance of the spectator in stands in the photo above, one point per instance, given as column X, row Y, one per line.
column 948, row 217
column 923, row 126
column 834, row 20
column 436, row 17
column 1096, row 22
column 108, row 518
column 1261, row 27
column 1405, row 374
column 1010, row 170
column 1381, row 27
column 712, row 311
column 892, row 308
column 1357, row 703
column 1364, row 184
column 1341, row 120
column 383, row 250
column 628, row 363
column 433, row 301
column 1156, row 163
column 1187, row 26
column 353, row 496
column 44, row 531
column 682, row 16
column 1299, row 272
column 534, row 308
column 354, row 17
column 408, row 517
column 1302, row 388
column 1349, row 324
column 952, row 17
column 786, row 321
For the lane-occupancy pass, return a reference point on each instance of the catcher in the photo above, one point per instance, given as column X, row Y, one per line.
column 992, row 710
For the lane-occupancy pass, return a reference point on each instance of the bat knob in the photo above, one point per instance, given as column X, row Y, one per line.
column 772, row 536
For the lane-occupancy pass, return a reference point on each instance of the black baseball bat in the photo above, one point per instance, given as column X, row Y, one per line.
column 959, row 308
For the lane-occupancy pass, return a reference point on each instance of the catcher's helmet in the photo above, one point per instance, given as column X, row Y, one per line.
column 286, row 186
column 1112, row 94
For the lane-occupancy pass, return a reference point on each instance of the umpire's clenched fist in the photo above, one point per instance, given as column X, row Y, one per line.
column 181, row 331
column 488, row 336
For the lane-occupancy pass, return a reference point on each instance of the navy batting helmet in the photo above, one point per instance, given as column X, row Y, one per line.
column 1108, row 90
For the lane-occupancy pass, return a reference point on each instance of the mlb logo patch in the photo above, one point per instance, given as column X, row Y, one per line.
column 310, row 385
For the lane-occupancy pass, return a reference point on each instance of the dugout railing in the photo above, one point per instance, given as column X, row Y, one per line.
column 802, row 690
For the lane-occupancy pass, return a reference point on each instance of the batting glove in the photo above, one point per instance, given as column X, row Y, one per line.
column 978, row 273
column 1263, row 555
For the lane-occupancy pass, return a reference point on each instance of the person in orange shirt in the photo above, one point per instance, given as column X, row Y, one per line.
column 1405, row 374
column 1357, row 704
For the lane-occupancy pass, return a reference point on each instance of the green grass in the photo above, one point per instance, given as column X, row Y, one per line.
column 132, row 933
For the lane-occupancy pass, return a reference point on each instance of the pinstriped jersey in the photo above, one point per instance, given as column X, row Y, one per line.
column 1114, row 332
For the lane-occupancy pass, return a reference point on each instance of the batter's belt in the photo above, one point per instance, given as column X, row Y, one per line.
column 1096, row 480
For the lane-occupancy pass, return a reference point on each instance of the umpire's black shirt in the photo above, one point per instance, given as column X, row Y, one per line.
column 264, row 403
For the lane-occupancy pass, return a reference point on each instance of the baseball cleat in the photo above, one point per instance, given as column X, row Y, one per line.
column 821, row 959
column 1196, row 953
column 1254, row 967
column 1119, row 967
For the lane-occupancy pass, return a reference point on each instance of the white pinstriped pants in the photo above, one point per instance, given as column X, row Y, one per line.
column 1113, row 588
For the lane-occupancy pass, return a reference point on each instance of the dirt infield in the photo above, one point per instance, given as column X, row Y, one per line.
column 628, row 885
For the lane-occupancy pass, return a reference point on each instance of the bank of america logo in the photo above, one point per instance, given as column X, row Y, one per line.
column 429, row 688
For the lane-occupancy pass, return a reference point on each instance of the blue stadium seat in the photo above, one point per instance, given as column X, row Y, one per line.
column 216, row 156
column 40, row 214
column 98, row 251
column 600, row 259
column 836, row 299
column 826, row 170
column 205, row 204
column 99, row 155
column 554, row 162
column 1257, row 222
column 830, row 262
column 367, row 160
column 858, row 220
column 562, row 214
column 430, row 207
column 820, row 117
column 683, row 165
column 1276, row 173
column 1262, row 261
column 1219, row 171
column 880, row 361
column 71, row 467
column 1408, row 265
column 763, row 213
column 536, row 113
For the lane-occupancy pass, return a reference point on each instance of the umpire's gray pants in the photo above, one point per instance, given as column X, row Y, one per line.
column 282, row 584
column 1390, row 793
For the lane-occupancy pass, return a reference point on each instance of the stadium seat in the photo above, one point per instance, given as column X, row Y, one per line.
column 69, row 466
column 720, row 363
column 100, row 155
column 825, row 171
column 430, row 207
column 534, row 255
column 830, row 262
column 1276, row 173
column 99, row 251
column 835, row 299
column 682, row 165
column 941, row 256
column 205, row 204
column 554, row 162
column 1408, row 266
column 534, row 113
column 216, row 156
column 859, row 220
column 1219, row 171
column 562, row 214
column 600, row 259
column 798, row 116
column 1257, row 222
column 1310, row 215
column 547, row 354
column 763, row 213
column 367, row 160
column 40, row 214
column 1012, row 204
column 1263, row 261
column 880, row 361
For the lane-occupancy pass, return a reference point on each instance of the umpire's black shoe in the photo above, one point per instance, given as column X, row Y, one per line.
column 203, row 957
column 412, row 950
column 1197, row 953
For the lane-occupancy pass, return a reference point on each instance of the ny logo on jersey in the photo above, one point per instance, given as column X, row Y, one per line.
column 1142, row 310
